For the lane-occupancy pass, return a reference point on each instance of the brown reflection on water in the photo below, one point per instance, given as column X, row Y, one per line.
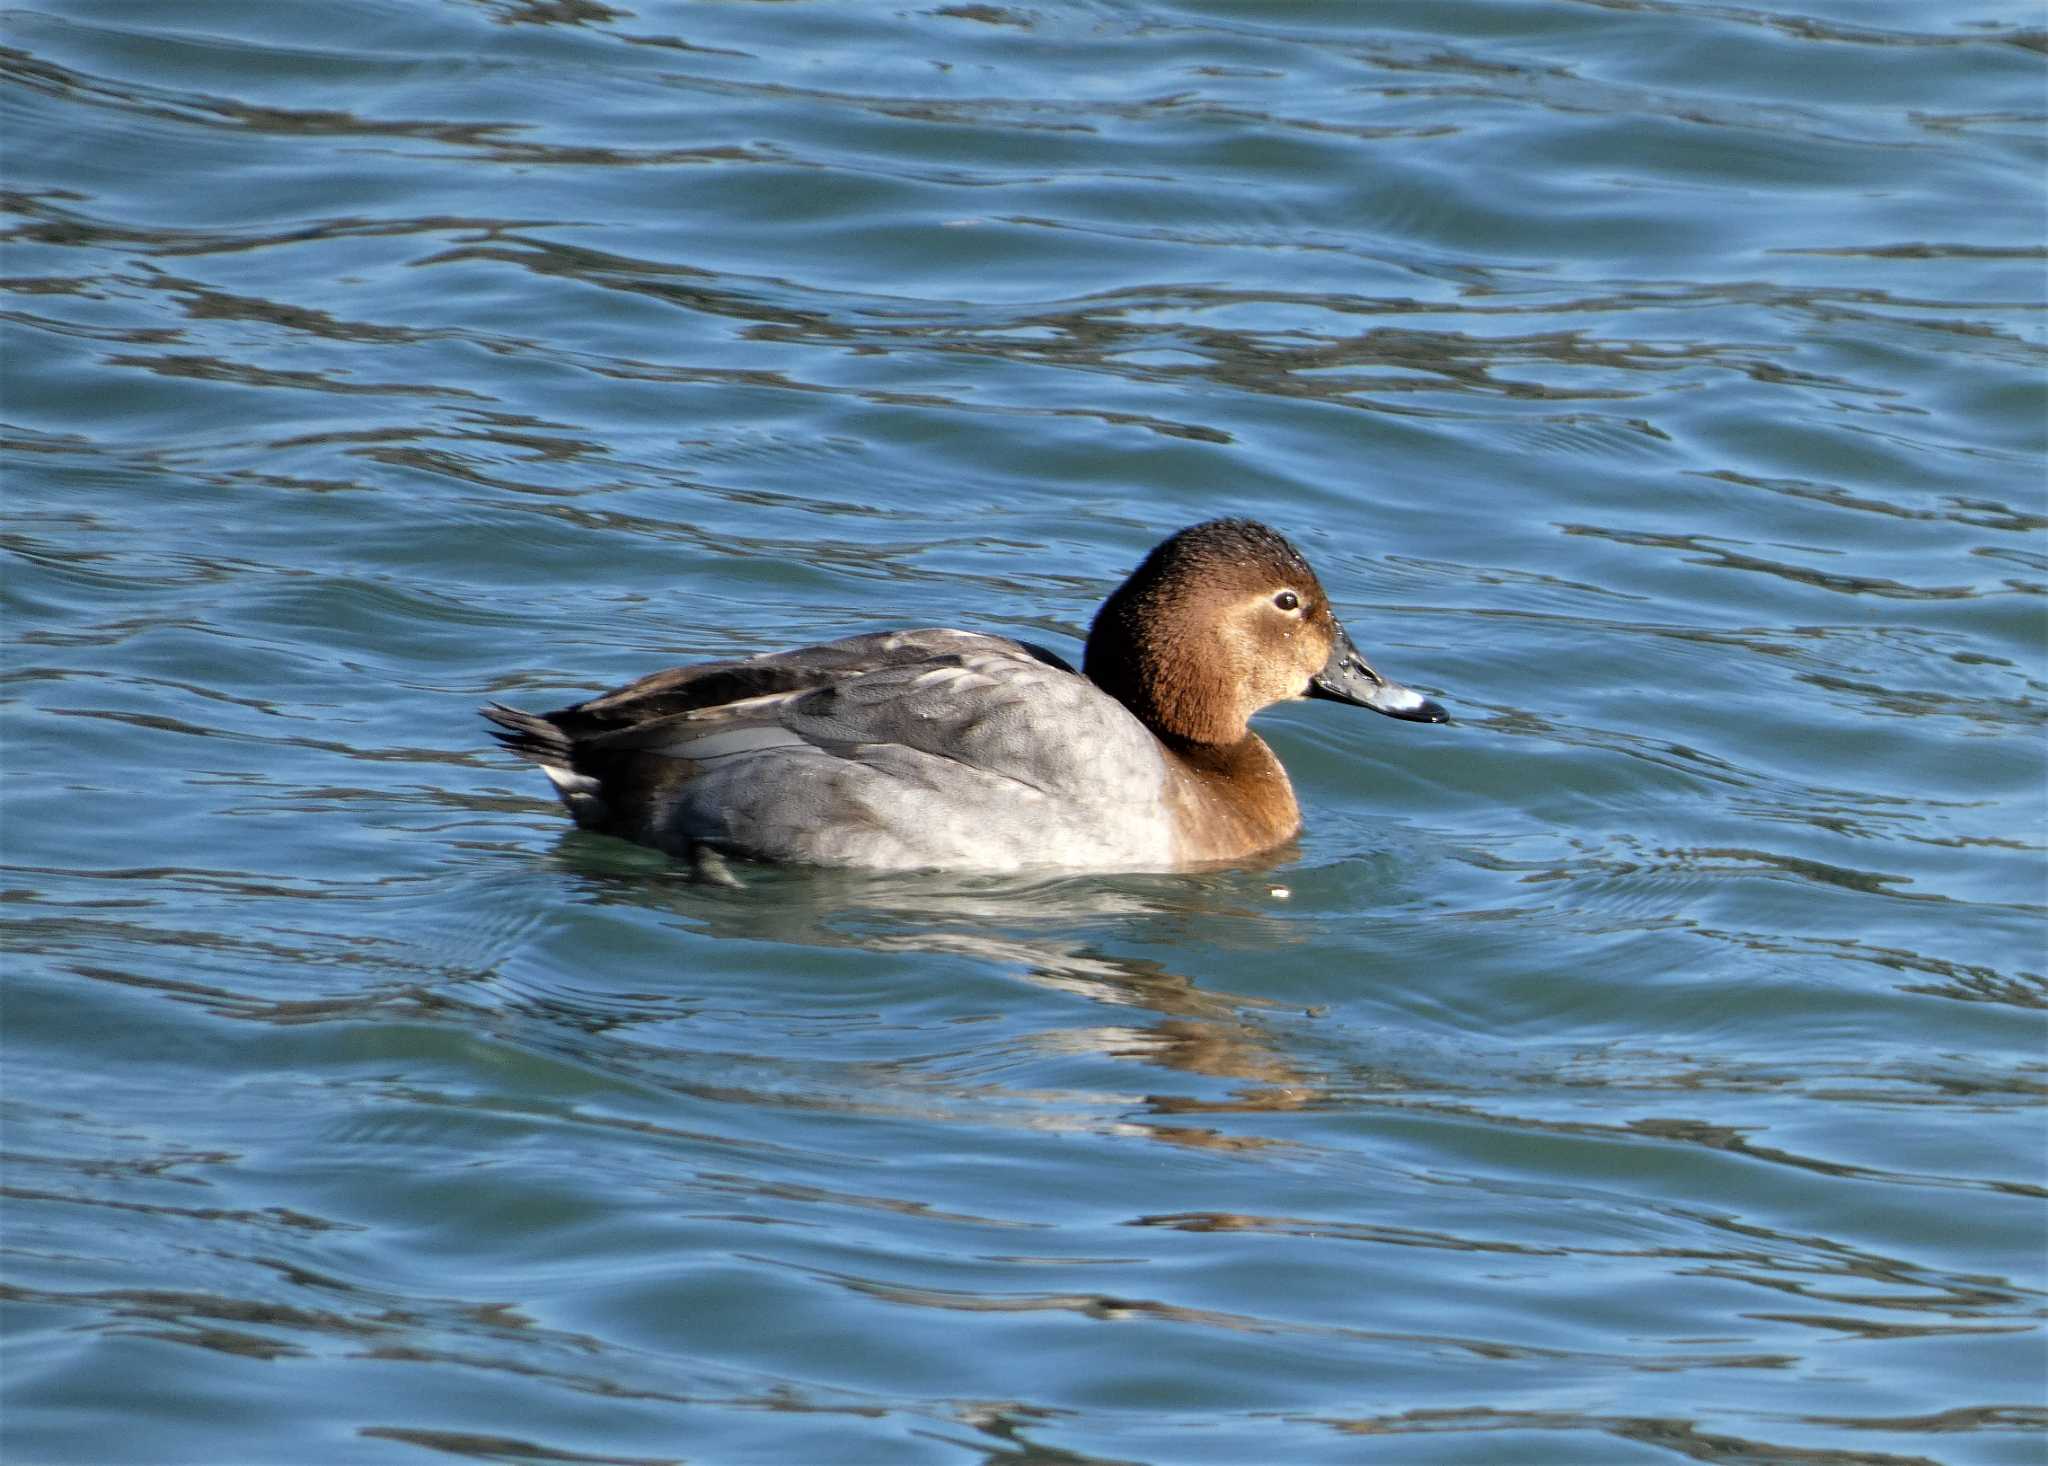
column 550, row 12
column 1967, row 982
column 1956, row 508
column 54, row 222
column 1114, row 1308
column 201, row 302
column 203, row 1319
column 1724, row 554
column 1706, row 1134
column 1346, row 1231
column 1942, row 1422
column 1829, row 1274
column 468, row 1444
column 53, row 79
column 201, row 368
column 1678, row 1436
column 731, row 1184
column 269, row 1217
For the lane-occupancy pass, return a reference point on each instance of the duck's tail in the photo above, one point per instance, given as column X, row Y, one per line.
column 533, row 736
column 529, row 735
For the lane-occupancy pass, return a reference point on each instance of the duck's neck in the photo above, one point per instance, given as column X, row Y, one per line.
column 1231, row 800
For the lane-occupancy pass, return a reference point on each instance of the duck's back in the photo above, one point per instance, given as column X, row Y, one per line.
column 894, row 751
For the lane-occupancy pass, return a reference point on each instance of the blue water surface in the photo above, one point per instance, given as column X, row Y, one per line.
column 1647, row 1067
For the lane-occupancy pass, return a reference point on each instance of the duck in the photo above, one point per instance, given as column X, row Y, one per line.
column 940, row 749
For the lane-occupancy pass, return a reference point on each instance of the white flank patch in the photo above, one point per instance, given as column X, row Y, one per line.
column 568, row 782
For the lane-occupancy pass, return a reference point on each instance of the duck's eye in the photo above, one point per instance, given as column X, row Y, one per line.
column 1287, row 600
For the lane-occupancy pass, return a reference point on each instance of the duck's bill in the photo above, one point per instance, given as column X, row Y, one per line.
column 1348, row 677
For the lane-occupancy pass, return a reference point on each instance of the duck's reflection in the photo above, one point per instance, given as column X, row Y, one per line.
column 1051, row 932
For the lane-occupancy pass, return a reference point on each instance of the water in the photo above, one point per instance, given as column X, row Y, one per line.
column 1647, row 1067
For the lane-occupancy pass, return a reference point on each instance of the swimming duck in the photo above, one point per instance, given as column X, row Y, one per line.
column 935, row 748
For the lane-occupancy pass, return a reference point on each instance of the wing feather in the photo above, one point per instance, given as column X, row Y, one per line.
column 874, row 750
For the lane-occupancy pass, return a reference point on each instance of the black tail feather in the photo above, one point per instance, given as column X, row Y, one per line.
column 530, row 735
